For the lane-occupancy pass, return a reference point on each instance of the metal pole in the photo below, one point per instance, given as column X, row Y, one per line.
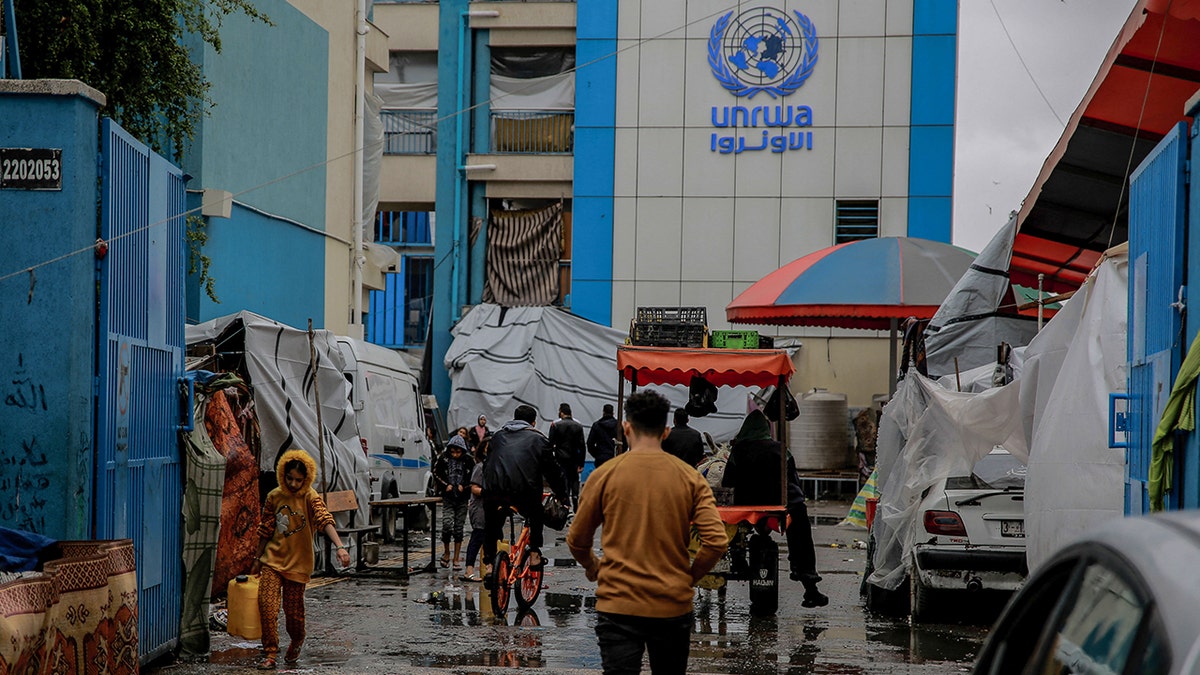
column 312, row 360
column 1041, row 301
column 10, row 35
column 892, row 370
column 781, row 434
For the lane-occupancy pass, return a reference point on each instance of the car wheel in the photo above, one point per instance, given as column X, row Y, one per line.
column 925, row 602
column 889, row 603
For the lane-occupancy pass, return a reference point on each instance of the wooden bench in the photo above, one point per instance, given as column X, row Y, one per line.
column 345, row 501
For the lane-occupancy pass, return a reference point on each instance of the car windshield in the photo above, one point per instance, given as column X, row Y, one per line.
column 996, row 471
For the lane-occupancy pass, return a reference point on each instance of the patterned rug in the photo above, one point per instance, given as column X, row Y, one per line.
column 78, row 616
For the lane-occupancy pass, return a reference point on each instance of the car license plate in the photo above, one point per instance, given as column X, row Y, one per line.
column 1012, row 528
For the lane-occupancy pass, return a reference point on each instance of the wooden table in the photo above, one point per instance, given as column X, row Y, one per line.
column 388, row 509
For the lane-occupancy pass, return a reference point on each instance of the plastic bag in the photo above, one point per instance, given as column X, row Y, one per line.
column 554, row 513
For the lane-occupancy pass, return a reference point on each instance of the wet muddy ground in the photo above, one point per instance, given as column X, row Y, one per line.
column 433, row 622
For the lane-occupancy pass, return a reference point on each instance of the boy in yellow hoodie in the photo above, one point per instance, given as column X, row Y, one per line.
column 292, row 514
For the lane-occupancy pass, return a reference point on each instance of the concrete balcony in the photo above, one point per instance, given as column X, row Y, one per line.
column 528, row 176
column 409, row 26
column 408, row 182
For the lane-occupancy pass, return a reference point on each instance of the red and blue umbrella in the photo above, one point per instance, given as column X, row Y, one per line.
column 861, row 284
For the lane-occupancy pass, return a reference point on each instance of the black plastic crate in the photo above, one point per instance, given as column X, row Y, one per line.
column 667, row 334
column 766, row 341
column 686, row 315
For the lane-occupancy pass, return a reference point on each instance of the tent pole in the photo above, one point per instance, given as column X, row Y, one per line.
column 894, row 325
column 781, row 434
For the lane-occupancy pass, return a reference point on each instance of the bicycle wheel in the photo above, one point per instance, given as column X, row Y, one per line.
column 529, row 584
column 501, row 573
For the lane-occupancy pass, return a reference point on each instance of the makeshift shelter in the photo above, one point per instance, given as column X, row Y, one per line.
column 286, row 374
column 1053, row 416
column 543, row 356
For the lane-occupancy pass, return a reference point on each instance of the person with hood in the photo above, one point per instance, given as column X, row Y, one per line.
column 602, row 439
column 291, row 515
column 684, row 442
column 519, row 461
column 566, row 437
column 452, row 475
column 477, row 433
column 753, row 473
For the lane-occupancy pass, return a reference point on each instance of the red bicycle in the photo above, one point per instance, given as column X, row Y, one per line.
column 513, row 573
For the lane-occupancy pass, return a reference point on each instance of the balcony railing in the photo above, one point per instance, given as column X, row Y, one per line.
column 409, row 132
column 535, row 132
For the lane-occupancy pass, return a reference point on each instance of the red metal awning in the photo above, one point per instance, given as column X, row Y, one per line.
column 1078, row 206
column 721, row 367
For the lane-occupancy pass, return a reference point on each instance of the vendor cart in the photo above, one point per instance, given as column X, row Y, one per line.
column 643, row 366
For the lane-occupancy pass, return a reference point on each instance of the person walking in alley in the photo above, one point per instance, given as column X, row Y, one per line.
column 475, row 511
column 684, row 442
column 566, row 437
column 452, row 475
column 519, row 460
column 753, row 473
column 291, row 515
column 602, row 439
column 477, row 433
column 647, row 503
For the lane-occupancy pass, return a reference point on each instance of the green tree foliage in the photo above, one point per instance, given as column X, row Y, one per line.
column 133, row 51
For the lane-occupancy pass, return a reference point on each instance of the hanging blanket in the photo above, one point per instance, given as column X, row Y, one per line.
column 240, row 506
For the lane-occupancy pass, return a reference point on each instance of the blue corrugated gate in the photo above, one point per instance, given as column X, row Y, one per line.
column 140, row 360
column 1156, row 247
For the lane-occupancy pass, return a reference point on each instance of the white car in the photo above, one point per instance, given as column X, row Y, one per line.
column 973, row 536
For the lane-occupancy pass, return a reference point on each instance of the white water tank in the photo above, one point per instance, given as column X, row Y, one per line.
column 818, row 436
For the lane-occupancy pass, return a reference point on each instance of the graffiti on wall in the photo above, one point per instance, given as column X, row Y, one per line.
column 25, row 471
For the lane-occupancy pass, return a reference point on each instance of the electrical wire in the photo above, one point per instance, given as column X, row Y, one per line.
column 91, row 247
column 1137, row 129
column 1025, row 65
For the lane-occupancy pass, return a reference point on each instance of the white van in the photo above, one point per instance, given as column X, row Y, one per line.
column 391, row 421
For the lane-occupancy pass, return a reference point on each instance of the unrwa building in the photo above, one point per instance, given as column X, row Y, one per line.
column 625, row 153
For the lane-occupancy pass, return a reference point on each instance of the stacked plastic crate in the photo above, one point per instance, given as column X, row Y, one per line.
column 669, row 327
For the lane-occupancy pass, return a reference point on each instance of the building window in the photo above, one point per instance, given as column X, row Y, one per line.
column 856, row 219
column 409, row 95
column 400, row 313
column 404, row 228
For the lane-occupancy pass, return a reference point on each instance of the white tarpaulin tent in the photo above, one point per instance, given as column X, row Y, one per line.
column 279, row 366
column 1054, row 416
column 543, row 356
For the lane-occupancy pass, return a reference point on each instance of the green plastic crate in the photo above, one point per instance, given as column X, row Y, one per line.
column 733, row 339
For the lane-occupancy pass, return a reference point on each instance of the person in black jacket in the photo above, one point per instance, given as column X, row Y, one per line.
column 519, row 460
column 452, row 475
column 753, row 473
column 684, row 442
column 566, row 437
column 602, row 439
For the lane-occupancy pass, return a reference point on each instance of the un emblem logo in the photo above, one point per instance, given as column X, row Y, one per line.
column 762, row 50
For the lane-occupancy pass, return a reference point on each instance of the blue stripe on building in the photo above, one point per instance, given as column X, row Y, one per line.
column 931, row 134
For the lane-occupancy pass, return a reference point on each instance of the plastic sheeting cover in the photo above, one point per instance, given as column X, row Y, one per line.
column 277, row 363
column 1075, row 480
column 542, row 356
column 555, row 92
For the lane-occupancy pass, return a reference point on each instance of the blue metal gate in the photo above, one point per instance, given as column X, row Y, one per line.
column 1156, row 248
column 140, row 360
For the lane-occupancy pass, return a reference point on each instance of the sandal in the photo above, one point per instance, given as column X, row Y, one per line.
column 267, row 663
column 445, row 561
column 472, row 578
column 293, row 652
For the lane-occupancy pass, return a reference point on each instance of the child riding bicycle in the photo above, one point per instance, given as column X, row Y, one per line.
column 520, row 459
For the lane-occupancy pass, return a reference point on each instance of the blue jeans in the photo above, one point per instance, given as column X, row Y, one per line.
column 623, row 638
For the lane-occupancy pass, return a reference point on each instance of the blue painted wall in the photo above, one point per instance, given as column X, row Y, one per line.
column 931, row 134
column 269, row 122
column 47, row 348
column 595, row 155
column 264, row 264
column 447, row 206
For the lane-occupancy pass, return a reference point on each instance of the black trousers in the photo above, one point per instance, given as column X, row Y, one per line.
column 495, row 512
column 571, row 475
column 802, row 557
column 624, row 638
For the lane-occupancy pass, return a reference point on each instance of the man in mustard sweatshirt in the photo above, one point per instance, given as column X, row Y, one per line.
column 647, row 501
